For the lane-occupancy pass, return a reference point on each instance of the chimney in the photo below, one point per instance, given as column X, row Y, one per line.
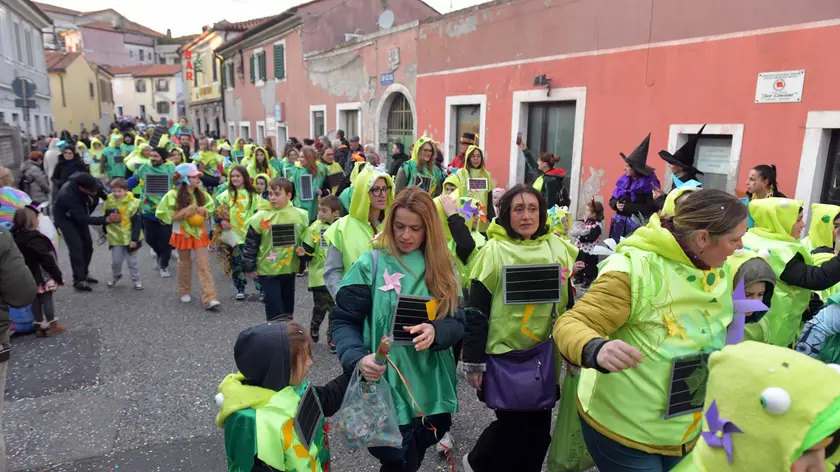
column 168, row 33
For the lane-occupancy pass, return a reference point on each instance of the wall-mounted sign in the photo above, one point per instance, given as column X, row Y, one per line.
column 189, row 66
column 780, row 87
column 278, row 112
column 386, row 78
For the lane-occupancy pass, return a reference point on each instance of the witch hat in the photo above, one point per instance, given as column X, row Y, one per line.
column 638, row 158
column 684, row 157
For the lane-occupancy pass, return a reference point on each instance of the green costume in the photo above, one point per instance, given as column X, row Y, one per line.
column 519, row 327
column 352, row 234
column 209, row 161
column 119, row 234
column 166, row 209
column 313, row 238
column 259, row 423
column 770, row 395
column 114, row 165
column 750, row 267
column 294, row 172
column 237, row 153
column 126, row 148
column 134, row 161
column 670, row 204
column 468, row 203
column 774, row 220
column 677, row 310
column 277, row 260
column 821, row 235
column 251, row 165
column 150, row 202
column 481, row 172
column 430, row 373
column 248, row 154
column 412, row 170
column 332, row 169
column 240, row 209
column 96, row 155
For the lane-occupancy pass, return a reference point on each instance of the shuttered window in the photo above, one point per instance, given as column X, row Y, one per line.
column 261, row 59
column 253, row 71
column 231, row 70
column 279, row 61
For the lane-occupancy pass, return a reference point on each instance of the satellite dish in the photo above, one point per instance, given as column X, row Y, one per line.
column 386, row 20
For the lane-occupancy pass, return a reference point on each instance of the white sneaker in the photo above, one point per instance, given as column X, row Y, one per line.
column 466, row 463
column 445, row 444
column 164, row 273
column 139, row 286
column 113, row 281
column 186, row 298
column 239, row 296
column 152, row 252
column 212, row 304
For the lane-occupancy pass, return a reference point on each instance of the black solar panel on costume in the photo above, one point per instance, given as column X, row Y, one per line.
column 157, row 184
column 423, row 181
column 334, row 180
column 532, row 284
column 283, row 235
column 119, row 159
column 477, row 185
column 308, row 417
column 410, row 311
column 306, row 192
column 323, row 241
column 687, row 387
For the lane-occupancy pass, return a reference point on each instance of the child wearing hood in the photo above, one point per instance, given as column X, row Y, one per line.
column 124, row 235
column 96, row 150
column 258, row 403
column 759, row 284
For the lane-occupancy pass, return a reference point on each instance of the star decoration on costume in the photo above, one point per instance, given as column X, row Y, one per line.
column 721, row 430
column 468, row 210
column 674, row 327
column 741, row 305
column 265, row 224
column 392, row 282
column 272, row 256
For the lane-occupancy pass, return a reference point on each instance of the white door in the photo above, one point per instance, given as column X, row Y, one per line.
column 282, row 137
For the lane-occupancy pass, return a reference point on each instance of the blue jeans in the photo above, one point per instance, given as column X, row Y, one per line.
column 279, row 296
column 611, row 456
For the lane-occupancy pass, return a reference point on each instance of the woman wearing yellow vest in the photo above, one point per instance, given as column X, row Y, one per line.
column 519, row 283
column 778, row 225
column 475, row 171
column 662, row 301
column 761, row 183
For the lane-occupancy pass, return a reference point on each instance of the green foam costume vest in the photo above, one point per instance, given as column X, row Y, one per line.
column 113, row 169
column 431, row 374
column 119, row 234
column 519, row 327
column 330, row 169
column 293, row 173
column 313, row 239
column 277, row 260
column 470, row 173
column 240, row 210
column 149, row 203
column 677, row 310
column 411, row 169
column 166, row 209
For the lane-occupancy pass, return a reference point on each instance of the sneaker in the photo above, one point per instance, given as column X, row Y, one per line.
column 466, row 463
column 82, row 286
column 164, row 273
column 138, row 285
column 445, row 444
column 152, row 252
column 186, row 298
column 299, row 274
column 315, row 337
column 91, row 280
column 239, row 296
column 212, row 304
column 113, row 281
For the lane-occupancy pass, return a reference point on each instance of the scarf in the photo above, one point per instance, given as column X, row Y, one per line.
column 642, row 185
column 669, row 225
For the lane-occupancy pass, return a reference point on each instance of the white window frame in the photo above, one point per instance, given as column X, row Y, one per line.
column 228, row 83
column 233, row 132
column 519, row 124
column 257, row 81
column 245, row 124
column 814, row 158
column 341, row 123
column 278, row 145
column 3, row 38
column 679, row 135
column 313, row 109
column 18, row 55
column 260, row 140
column 285, row 69
column 451, row 138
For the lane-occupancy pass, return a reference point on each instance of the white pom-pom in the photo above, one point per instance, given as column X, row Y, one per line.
column 219, row 399
column 764, row 253
column 775, row 400
column 835, row 367
column 784, row 203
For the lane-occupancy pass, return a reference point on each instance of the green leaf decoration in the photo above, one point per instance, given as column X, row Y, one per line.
column 826, row 218
column 697, row 384
column 691, row 278
column 710, row 279
column 714, row 300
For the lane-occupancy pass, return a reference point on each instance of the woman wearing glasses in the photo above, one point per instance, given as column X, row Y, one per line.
column 352, row 235
column 420, row 170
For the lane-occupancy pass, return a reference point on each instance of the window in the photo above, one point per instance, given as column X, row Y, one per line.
column 49, row 124
column 251, row 69
column 260, row 132
column 230, row 72
column 162, row 108
column 712, row 158
column 831, row 184
column 142, row 54
column 2, row 117
column 318, row 123
column 215, row 69
column 245, row 131
column 349, row 122
column 119, row 111
column 162, row 85
column 261, row 61
column 130, row 53
column 38, row 125
column 551, row 127
column 18, row 48
column 140, row 86
column 280, row 61
column 105, row 95
column 2, row 34
column 467, row 120
column 90, row 89
column 400, row 123
column 29, row 57
column 143, row 111
column 231, row 131
column 15, row 119
column 161, row 60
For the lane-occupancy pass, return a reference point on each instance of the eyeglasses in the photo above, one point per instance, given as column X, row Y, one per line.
column 379, row 191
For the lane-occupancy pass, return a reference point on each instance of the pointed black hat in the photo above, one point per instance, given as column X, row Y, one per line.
column 638, row 158
column 684, row 157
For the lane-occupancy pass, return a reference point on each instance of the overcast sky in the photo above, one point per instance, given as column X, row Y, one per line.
column 188, row 16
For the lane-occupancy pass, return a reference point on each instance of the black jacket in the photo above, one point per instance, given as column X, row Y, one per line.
column 64, row 169
column 342, row 155
column 74, row 206
column 464, row 242
column 799, row 274
column 397, row 160
column 644, row 204
column 39, row 254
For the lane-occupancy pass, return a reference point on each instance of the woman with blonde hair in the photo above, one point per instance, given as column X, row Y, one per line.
column 409, row 265
column 420, row 170
column 296, row 171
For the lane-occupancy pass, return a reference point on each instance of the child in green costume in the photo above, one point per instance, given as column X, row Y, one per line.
column 330, row 167
column 410, row 259
column 113, row 160
column 765, row 410
column 272, row 249
column 308, row 165
column 156, row 232
column 759, row 284
column 258, row 404
column 261, row 185
column 127, row 145
column 329, row 210
column 124, row 236
column 237, row 204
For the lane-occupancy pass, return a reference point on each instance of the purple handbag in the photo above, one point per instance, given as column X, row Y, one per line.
column 521, row 380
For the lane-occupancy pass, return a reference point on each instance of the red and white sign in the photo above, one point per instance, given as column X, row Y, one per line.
column 780, row 87
column 188, row 57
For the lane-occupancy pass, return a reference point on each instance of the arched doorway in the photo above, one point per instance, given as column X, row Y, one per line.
column 397, row 121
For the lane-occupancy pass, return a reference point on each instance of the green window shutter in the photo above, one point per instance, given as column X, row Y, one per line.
column 253, row 71
column 224, row 80
column 279, row 61
column 231, row 73
column 261, row 58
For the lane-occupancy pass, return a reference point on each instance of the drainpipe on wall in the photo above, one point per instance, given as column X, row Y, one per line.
column 224, row 118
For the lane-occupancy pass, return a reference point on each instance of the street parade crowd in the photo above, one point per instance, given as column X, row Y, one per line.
column 693, row 331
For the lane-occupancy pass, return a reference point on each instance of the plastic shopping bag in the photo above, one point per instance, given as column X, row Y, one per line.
column 367, row 417
column 568, row 452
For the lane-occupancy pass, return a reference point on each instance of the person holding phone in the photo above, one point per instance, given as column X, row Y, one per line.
column 632, row 199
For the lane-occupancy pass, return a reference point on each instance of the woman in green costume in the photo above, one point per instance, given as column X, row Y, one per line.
column 238, row 152
column 409, row 258
column 663, row 298
column 308, row 165
column 421, row 170
column 498, row 332
column 261, row 165
column 330, row 167
column 778, row 225
column 474, row 168
column 352, row 235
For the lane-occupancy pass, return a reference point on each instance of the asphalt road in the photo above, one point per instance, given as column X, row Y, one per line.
column 130, row 385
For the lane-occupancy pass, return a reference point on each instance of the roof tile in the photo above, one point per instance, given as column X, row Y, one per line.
column 59, row 61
